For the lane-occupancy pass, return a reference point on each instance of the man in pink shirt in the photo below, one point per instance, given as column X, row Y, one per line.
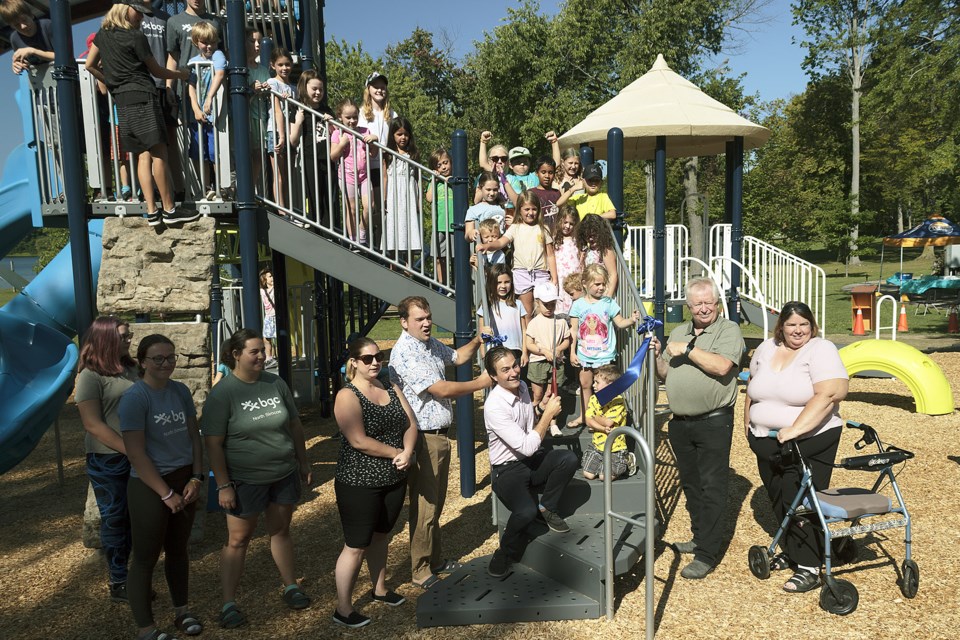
column 519, row 467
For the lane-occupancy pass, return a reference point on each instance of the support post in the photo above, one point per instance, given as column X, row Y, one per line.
column 216, row 311
column 660, row 231
column 246, row 202
column 586, row 154
column 615, row 178
column 736, row 219
column 464, row 331
column 281, row 306
column 306, row 47
column 324, row 374
column 67, row 75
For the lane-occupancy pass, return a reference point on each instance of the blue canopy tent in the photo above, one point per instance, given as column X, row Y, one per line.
column 935, row 231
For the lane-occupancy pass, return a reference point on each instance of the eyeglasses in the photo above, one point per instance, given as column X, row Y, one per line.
column 368, row 358
column 159, row 360
column 498, row 158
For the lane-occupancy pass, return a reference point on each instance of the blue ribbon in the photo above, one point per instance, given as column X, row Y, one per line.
column 493, row 340
column 647, row 326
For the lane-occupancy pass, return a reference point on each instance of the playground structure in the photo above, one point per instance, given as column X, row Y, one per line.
column 343, row 286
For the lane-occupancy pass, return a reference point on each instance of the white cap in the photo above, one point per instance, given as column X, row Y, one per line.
column 545, row 292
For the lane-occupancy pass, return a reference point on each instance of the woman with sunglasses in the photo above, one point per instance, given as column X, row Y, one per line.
column 258, row 457
column 158, row 422
column 379, row 436
column 106, row 371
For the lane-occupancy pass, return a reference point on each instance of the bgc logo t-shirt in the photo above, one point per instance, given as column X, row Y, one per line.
column 164, row 416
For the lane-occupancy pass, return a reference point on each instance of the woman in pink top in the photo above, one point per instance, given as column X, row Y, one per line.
column 797, row 381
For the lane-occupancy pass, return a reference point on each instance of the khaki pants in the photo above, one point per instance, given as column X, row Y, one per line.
column 428, row 491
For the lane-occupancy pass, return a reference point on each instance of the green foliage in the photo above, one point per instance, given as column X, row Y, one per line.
column 45, row 243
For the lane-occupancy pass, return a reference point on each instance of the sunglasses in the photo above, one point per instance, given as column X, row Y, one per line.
column 159, row 360
column 368, row 358
column 498, row 158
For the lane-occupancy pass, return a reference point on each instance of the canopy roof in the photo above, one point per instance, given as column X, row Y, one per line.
column 935, row 231
column 662, row 103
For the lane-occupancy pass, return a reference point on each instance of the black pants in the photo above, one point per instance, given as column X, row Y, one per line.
column 804, row 537
column 517, row 484
column 702, row 448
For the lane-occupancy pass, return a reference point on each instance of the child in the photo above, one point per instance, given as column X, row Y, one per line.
column 593, row 319
column 401, row 217
column 441, row 193
column 376, row 115
column 127, row 68
column 495, row 163
column 490, row 232
column 595, row 243
column 568, row 171
column 257, row 75
column 567, row 252
column 31, row 40
column 488, row 207
column 533, row 259
column 547, row 338
column 573, row 286
column 354, row 180
column 282, row 64
column 546, row 167
column 521, row 179
column 593, row 199
column 205, row 81
column 507, row 318
column 603, row 420
column 226, row 359
column 308, row 133
column 269, row 315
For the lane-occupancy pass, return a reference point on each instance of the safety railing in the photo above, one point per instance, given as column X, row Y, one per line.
column 275, row 19
column 638, row 250
column 204, row 139
column 46, row 134
column 391, row 220
column 894, row 304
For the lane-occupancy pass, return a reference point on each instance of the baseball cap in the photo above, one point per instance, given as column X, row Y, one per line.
column 518, row 152
column 592, row 172
column 143, row 8
column 373, row 76
column 545, row 292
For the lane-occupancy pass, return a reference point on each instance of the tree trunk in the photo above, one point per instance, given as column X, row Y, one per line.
column 856, row 77
column 691, row 192
column 899, row 217
column 651, row 199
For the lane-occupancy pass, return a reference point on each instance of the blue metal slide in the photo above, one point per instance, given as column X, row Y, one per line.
column 38, row 358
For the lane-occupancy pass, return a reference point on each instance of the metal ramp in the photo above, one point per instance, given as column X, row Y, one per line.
column 753, row 313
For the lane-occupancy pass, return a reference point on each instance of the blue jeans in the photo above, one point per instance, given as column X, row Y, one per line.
column 109, row 473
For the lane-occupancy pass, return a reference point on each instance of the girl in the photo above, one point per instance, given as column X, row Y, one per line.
column 158, row 422
column 260, row 98
column 282, row 64
column 569, row 171
column 401, row 229
column 269, row 315
column 595, row 243
column 489, row 206
column 376, row 115
column 311, row 126
column 592, row 321
column 353, row 168
column 507, row 319
column 442, row 238
column 127, row 70
column 567, row 252
column 533, row 259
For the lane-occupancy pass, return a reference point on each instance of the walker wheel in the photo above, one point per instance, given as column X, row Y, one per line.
column 911, row 579
column 759, row 562
column 841, row 600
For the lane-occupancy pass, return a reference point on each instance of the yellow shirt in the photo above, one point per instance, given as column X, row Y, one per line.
column 616, row 411
column 598, row 204
column 529, row 245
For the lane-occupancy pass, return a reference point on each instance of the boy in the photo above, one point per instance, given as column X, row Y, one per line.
column 594, row 199
column 573, row 285
column 205, row 81
column 547, row 337
column 603, row 420
column 489, row 231
column 521, row 179
column 32, row 39
column 257, row 76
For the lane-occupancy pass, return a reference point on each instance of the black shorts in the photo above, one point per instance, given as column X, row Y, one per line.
column 368, row 510
column 141, row 125
column 253, row 499
column 170, row 108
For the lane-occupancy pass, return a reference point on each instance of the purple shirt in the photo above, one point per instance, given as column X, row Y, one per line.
column 509, row 422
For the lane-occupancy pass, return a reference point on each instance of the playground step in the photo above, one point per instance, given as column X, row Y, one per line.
column 472, row 596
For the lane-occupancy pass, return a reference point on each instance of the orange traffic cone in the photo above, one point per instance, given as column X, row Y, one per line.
column 858, row 323
column 952, row 325
column 902, row 325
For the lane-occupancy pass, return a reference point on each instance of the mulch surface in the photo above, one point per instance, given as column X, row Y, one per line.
column 53, row 587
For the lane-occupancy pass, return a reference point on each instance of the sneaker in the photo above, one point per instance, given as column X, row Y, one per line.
column 154, row 219
column 362, row 237
column 631, row 464
column 118, row 592
column 391, row 598
column 499, row 564
column 555, row 431
column 126, row 194
column 180, row 215
column 354, row 620
column 696, row 570
column 269, row 362
column 211, row 195
column 554, row 521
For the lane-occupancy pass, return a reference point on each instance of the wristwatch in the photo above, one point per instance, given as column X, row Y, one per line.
column 689, row 348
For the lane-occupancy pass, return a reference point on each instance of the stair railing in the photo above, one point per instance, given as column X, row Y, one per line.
column 638, row 251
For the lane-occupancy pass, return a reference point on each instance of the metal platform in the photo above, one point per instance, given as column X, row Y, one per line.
column 472, row 596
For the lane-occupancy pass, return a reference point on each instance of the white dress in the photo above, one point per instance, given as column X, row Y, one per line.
column 402, row 230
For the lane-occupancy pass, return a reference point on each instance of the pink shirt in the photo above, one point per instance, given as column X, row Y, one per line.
column 509, row 422
column 778, row 397
column 355, row 154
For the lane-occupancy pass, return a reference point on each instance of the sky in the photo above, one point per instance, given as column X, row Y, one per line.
column 765, row 53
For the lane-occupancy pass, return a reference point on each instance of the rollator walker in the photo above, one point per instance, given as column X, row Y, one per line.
column 859, row 510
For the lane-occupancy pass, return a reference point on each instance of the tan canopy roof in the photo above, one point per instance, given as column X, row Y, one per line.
column 662, row 103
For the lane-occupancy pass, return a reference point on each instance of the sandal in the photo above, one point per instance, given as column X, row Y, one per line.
column 779, row 562
column 448, row 566
column 188, row 624
column 232, row 617
column 159, row 635
column 428, row 583
column 802, row 581
column 296, row 599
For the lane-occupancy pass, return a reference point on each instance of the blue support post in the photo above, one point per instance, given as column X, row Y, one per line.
column 464, row 332
column 615, row 178
column 586, row 154
column 67, row 75
column 322, row 49
column 306, row 25
column 246, row 201
column 216, row 311
column 266, row 50
column 728, row 184
column 736, row 220
column 660, row 231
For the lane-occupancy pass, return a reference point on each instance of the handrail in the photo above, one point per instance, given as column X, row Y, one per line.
column 893, row 323
column 759, row 297
column 638, row 251
column 713, row 276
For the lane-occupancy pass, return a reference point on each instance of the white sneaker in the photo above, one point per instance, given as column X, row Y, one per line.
column 362, row 237
column 631, row 464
